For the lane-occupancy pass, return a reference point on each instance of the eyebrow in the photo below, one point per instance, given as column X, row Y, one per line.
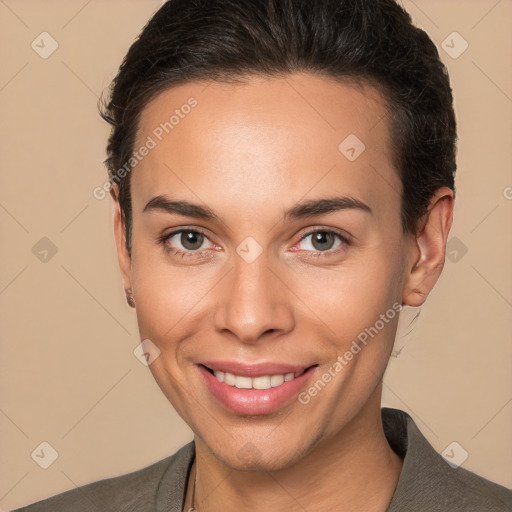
column 311, row 208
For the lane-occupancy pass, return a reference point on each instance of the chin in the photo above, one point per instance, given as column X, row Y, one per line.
column 252, row 455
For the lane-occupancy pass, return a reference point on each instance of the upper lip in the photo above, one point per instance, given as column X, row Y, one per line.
column 245, row 369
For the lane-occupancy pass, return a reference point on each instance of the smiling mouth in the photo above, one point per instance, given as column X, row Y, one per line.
column 260, row 382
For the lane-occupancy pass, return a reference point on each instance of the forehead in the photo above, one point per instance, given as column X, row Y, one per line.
column 264, row 136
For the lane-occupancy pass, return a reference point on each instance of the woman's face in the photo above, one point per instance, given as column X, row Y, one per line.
column 265, row 286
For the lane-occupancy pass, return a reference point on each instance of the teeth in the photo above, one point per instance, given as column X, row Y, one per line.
column 276, row 380
column 229, row 378
column 243, row 382
column 262, row 382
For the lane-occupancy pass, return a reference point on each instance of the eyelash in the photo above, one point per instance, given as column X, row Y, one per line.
column 194, row 254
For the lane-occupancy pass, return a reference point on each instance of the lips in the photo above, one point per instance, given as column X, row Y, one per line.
column 253, row 389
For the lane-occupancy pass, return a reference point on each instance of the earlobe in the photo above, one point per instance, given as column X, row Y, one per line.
column 123, row 257
column 427, row 253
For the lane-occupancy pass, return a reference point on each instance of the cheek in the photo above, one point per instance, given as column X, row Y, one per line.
column 169, row 298
column 169, row 302
column 163, row 299
column 353, row 296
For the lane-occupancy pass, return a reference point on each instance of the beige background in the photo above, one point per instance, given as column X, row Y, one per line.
column 68, row 375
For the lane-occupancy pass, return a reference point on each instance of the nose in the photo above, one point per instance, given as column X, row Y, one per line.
column 252, row 301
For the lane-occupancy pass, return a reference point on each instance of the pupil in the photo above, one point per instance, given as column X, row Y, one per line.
column 191, row 240
column 320, row 239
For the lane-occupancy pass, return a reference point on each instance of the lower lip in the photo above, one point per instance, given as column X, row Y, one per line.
column 255, row 401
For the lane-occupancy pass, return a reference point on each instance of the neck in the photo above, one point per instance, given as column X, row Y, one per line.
column 354, row 470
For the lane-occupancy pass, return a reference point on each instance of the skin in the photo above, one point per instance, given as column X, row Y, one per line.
column 249, row 151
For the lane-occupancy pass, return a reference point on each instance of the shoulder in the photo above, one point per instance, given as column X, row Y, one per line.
column 143, row 490
column 429, row 483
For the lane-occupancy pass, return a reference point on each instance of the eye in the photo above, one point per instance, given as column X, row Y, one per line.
column 324, row 240
column 186, row 243
column 192, row 243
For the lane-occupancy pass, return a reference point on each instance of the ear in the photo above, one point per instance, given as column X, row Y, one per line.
column 426, row 252
column 125, row 262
